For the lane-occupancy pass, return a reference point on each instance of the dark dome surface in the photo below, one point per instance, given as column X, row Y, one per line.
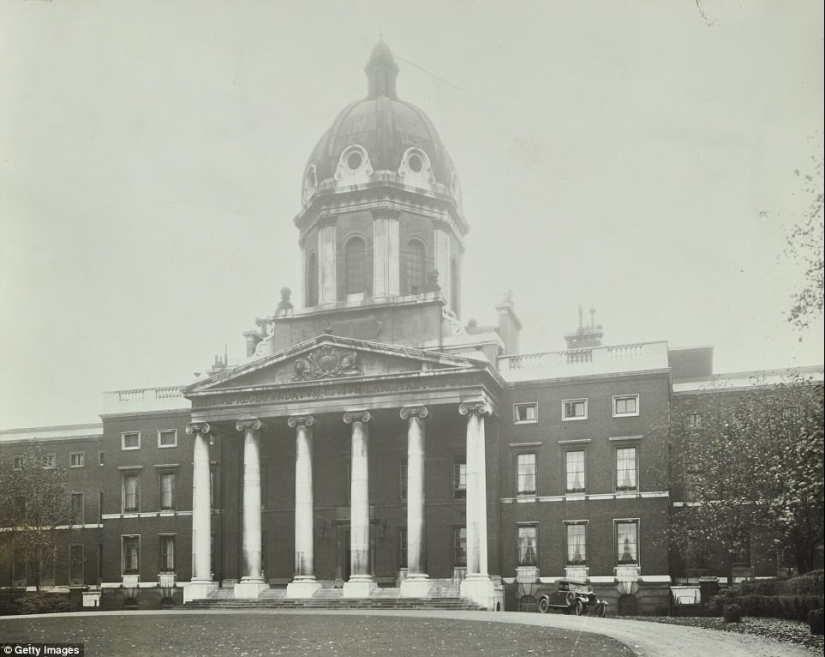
column 383, row 125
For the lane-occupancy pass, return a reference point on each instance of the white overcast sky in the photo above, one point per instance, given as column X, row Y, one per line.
column 635, row 156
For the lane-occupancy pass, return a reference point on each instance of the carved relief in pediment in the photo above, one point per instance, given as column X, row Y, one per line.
column 327, row 362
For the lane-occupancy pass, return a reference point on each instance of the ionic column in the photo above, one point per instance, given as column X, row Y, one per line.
column 304, row 583
column 252, row 581
column 416, row 584
column 201, row 583
column 360, row 583
column 477, row 586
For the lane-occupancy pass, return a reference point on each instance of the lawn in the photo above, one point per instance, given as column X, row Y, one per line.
column 300, row 634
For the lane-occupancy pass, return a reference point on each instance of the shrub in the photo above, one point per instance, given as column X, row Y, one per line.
column 808, row 584
column 42, row 603
column 790, row 607
column 816, row 619
column 717, row 603
column 732, row 613
column 761, row 587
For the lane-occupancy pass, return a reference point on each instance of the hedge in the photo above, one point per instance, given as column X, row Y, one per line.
column 816, row 619
column 37, row 603
column 808, row 584
column 790, row 607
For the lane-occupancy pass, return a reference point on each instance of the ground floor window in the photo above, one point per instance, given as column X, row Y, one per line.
column 76, row 564
column 460, row 547
column 131, row 555
column 528, row 545
column 167, row 554
column 576, row 544
column 402, row 547
column 627, row 542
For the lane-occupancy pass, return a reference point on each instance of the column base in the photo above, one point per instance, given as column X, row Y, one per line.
column 250, row 589
column 416, row 586
column 479, row 589
column 198, row 590
column 302, row 587
column 359, row 586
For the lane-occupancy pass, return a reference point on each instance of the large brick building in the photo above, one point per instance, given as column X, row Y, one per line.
column 372, row 438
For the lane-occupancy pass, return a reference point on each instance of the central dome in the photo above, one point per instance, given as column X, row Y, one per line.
column 381, row 138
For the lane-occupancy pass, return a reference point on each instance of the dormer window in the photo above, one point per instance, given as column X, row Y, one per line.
column 310, row 183
column 415, row 169
column 354, row 166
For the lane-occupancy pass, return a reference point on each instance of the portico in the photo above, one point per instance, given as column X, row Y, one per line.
column 411, row 392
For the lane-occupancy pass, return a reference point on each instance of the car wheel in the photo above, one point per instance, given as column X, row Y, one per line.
column 601, row 611
column 578, row 608
column 544, row 605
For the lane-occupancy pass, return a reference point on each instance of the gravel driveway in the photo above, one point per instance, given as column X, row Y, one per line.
column 644, row 638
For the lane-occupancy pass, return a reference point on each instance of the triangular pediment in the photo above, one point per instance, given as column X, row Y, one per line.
column 331, row 358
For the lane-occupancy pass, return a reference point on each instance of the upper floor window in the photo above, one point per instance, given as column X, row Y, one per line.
column 77, row 459
column 694, row 420
column 49, row 460
column 574, row 471
column 130, row 440
column 627, row 542
column 525, row 413
column 355, row 268
column 167, row 491
column 526, row 474
column 460, row 480
column 18, row 463
column 528, row 545
column 625, row 405
column 626, row 469
column 131, row 493
column 77, row 508
column 168, row 438
column 414, row 267
column 574, row 409
column 576, row 540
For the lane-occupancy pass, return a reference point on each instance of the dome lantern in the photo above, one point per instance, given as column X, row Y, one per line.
column 382, row 72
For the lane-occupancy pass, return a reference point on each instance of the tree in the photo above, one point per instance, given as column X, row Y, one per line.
column 714, row 468
column 750, row 463
column 35, row 509
column 789, row 423
column 805, row 245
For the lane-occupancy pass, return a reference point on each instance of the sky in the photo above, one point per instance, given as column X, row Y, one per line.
column 634, row 156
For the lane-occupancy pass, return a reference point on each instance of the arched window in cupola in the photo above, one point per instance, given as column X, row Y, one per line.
column 356, row 271
column 414, row 267
column 312, row 281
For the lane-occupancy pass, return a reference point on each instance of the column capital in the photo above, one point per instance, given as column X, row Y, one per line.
column 414, row 411
column 477, row 408
column 300, row 421
column 248, row 423
column 202, row 428
column 356, row 416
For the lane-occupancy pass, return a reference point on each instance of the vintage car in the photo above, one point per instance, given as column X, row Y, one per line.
column 570, row 596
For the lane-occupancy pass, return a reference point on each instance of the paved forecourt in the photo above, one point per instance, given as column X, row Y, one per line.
column 424, row 632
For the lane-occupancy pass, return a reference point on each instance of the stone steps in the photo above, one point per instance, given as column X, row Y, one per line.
column 334, row 603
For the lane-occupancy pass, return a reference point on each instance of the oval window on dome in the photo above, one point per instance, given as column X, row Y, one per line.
column 416, row 163
column 355, row 160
